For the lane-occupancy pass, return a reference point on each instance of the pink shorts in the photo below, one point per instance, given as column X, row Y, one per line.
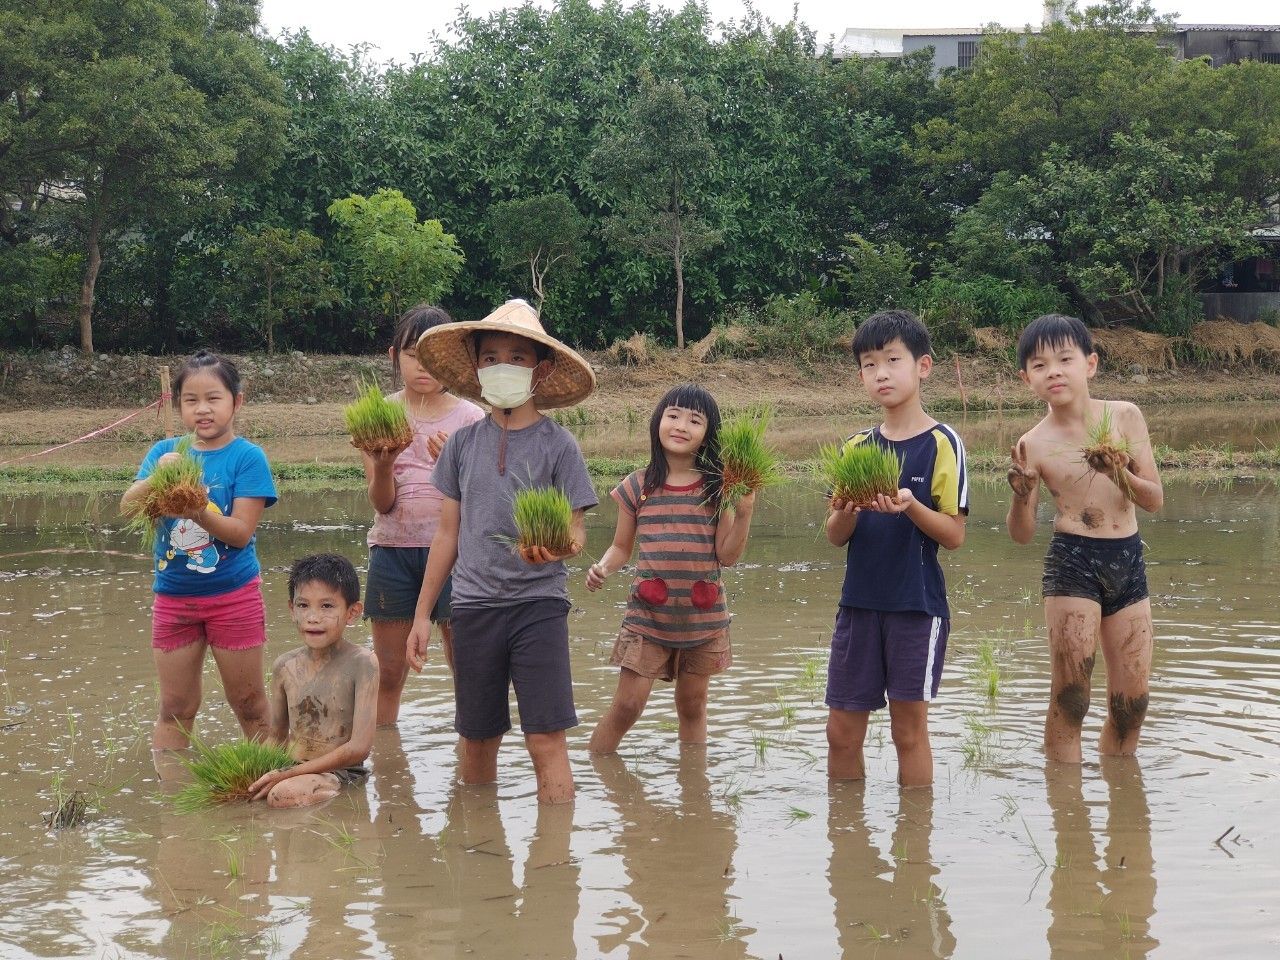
column 236, row 620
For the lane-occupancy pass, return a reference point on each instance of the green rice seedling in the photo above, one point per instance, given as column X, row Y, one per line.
column 174, row 489
column 544, row 518
column 986, row 669
column 225, row 772
column 857, row 474
column 1107, row 452
column 976, row 749
column 748, row 463
column 797, row 815
column 70, row 809
column 376, row 423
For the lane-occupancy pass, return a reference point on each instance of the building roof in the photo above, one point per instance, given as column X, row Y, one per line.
column 1228, row 27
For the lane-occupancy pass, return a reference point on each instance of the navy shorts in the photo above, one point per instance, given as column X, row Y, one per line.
column 1111, row 573
column 874, row 653
column 526, row 646
column 394, row 582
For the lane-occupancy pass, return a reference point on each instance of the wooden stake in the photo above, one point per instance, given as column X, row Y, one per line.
column 166, row 402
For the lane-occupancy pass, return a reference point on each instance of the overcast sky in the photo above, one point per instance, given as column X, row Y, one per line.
column 399, row 28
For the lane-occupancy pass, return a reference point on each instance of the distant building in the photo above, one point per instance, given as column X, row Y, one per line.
column 954, row 48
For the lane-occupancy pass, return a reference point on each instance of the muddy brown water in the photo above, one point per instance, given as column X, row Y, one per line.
column 738, row 850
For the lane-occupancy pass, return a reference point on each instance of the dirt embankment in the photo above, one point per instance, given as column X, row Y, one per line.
column 55, row 397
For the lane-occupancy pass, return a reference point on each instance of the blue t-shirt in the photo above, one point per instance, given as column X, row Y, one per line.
column 190, row 563
column 892, row 566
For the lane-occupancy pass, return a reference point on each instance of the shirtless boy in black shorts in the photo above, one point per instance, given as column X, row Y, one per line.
column 1095, row 582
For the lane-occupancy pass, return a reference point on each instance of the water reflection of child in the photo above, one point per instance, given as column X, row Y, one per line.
column 677, row 625
column 1095, row 579
column 323, row 693
column 890, row 634
column 207, row 577
column 407, row 508
column 903, row 897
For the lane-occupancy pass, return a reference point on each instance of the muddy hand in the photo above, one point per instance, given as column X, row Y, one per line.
column 596, row 577
column 841, row 505
column 259, row 789
column 415, row 645
column 435, row 443
column 536, row 555
column 1022, row 478
column 899, row 504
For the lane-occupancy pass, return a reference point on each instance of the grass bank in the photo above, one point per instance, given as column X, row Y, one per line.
column 1214, row 463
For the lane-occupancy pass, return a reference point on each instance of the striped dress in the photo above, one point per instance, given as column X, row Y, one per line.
column 676, row 536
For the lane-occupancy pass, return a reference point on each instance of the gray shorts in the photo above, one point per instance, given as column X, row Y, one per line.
column 525, row 646
column 394, row 582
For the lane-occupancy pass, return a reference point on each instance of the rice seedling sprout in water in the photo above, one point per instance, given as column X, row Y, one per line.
column 748, row 463
column 225, row 772
column 543, row 518
column 377, row 423
column 174, row 489
column 858, row 473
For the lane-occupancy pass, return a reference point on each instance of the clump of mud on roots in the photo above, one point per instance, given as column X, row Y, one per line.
column 748, row 464
column 1108, row 453
column 376, row 423
column 224, row 773
column 858, row 473
column 174, row 489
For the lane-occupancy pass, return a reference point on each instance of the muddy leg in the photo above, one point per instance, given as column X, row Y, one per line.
column 1073, row 642
column 179, row 675
column 479, row 760
column 691, row 706
column 909, row 724
column 1127, row 642
column 846, row 732
column 304, row 791
column 628, row 704
column 242, row 683
column 389, row 637
column 550, row 754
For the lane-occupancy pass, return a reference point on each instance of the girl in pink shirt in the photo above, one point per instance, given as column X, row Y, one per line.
column 407, row 508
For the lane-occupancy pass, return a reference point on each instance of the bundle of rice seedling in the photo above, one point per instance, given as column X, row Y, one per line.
column 174, row 489
column 376, row 423
column 857, row 474
column 748, row 464
column 225, row 772
column 1108, row 452
column 543, row 517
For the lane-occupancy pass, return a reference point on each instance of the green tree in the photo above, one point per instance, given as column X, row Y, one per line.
column 1127, row 234
column 651, row 169
column 278, row 274
column 873, row 277
column 155, row 102
column 537, row 233
column 394, row 259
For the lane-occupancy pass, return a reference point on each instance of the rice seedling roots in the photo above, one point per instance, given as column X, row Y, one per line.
column 177, row 501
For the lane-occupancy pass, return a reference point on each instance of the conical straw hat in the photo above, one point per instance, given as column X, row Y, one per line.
column 448, row 352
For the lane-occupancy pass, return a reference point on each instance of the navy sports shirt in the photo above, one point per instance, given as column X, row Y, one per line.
column 892, row 566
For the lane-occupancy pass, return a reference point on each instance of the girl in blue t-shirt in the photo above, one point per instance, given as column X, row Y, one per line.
column 206, row 585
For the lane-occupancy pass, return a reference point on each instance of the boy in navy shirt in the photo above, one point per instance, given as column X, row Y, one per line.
column 891, row 628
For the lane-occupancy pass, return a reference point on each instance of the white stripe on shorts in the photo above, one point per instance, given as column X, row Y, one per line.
column 927, row 693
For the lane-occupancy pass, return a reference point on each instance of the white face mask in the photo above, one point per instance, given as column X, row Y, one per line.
column 505, row 386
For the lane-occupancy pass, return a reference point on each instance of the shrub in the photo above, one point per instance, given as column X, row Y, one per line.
column 952, row 306
column 800, row 327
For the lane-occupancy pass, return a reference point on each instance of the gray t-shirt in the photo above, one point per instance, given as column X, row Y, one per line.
column 489, row 573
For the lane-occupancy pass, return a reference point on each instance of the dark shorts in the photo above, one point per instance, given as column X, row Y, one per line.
column 1111, row 573
column 394, row 582
column 525, row 646
column 874, row 653
column 348, row 776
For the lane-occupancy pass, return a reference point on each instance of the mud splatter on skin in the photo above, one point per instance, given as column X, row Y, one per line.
column 1086, row 666
column 1127, row 713
column 1073, row 701
column 1091, row 518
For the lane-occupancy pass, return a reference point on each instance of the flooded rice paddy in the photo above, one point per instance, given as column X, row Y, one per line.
column 739, row 850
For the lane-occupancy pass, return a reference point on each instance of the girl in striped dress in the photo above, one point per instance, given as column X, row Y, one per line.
column 677, row 626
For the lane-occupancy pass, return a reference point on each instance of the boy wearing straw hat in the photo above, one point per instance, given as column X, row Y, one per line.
column 510, row 609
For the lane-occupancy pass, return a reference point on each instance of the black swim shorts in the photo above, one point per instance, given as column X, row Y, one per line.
column 1110, row 572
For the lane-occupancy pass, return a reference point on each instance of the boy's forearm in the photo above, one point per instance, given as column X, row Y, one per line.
column 1020, row 520
column 939, row 527
column 440, row 560
column 840, row 526
column 1147, row 494
column 347, row 755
